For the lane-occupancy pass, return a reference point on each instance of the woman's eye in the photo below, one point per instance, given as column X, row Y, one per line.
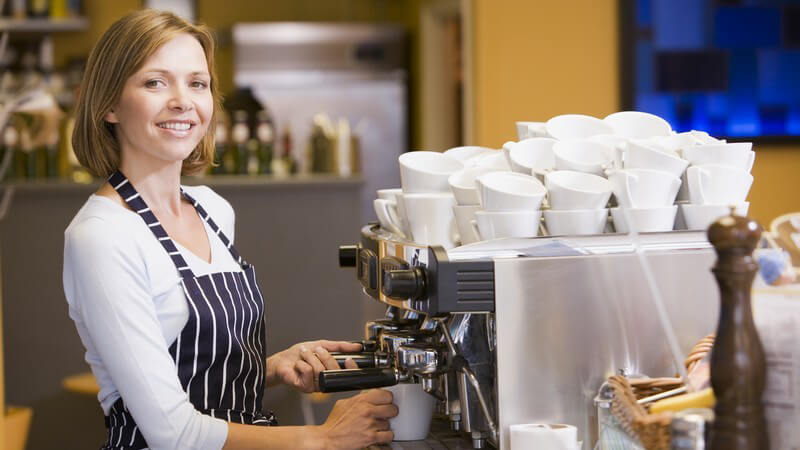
column 154, row 83
column 199, row 84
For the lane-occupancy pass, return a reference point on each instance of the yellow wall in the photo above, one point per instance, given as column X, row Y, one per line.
column 537, row 59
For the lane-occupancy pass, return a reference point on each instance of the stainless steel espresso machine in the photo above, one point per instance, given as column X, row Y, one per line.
column 525, row 330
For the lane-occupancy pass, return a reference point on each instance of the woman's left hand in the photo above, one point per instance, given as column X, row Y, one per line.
column 299, row 365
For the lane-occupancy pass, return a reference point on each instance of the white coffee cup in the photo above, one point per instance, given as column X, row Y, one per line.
column 644, row 188
column 575, row 221
column 712, row 184
column 526, row 130
column 430, row 218
column 464, row 187
column 532, row 156
column 675, row 142
column 576, row 126
column 509, row 191
column 505, row 224
column 702, row 138
column 388, row 217
column 618, row 143
column 415, row 410
column 427, row 171
column 637, row 125
column 389, row 194
column 644, row 155
column 737, row 154
column 465, row 214
column 568, row 189
column 644, row 220
column 494, row 160
column 467, row 152
column 583, row 155
column 507, row 151
column 700, row 217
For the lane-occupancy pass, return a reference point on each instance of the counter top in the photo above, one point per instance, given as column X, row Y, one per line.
column 441, row 437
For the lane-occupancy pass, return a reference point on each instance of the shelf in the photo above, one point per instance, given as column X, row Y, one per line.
column 44, row 25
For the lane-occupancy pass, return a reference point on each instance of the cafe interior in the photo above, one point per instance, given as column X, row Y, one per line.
column 550, row 224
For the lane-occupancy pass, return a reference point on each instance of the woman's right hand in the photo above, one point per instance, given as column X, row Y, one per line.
column 360, row 421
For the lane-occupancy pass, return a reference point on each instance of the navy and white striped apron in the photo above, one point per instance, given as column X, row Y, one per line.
column 220, row 354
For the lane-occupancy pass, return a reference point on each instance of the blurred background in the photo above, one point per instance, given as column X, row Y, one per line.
column 321, row 97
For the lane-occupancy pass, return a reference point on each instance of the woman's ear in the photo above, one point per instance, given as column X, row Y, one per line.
column 111, row 117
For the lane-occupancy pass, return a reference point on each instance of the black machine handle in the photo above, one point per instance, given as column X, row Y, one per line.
column 356, row 379
column 404, row 283
column 363, row 360
column 348, row 254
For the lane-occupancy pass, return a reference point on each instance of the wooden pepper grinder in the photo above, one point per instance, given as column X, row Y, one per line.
column 738, row 368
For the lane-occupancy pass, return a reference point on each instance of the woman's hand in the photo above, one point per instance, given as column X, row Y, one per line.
column 299, row 365
column 360, row 421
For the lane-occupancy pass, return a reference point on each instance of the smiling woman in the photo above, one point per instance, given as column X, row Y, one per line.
column 171, row 315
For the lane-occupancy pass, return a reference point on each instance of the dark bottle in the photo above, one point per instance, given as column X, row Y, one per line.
column 240, row 134
column 266, row 142
column 39, row 8
column 220, row 145
column 738, row 367
column 289, row 163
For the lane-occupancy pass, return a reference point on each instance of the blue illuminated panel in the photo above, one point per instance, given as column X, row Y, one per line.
column 730, row 67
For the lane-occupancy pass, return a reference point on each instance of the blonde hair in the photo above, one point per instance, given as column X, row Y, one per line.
column 120, row 52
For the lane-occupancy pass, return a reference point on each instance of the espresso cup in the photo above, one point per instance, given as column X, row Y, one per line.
column 576, row 126
column 493, row 160
column 508, row 191
column 712, row 184
column 644, row 188
column 583, row 155
column 430, row 218
column 389, row 194
column 506, row 224
column 637, row 125
column 414, row 412
column 464, row 187
column 467, row 152
column 526, row 130
column 575, row 221
column 577, row 190
column 675, row 142
column 700, row 217
column 388, row 217
column 738, row 155
column 532, row 156
column 465, row 214
column 644, row 220
column 646, row 155
column 427, row 171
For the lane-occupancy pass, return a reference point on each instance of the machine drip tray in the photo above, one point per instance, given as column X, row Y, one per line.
column 441, row 437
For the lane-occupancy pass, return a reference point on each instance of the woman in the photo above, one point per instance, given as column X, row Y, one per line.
column 170, row 314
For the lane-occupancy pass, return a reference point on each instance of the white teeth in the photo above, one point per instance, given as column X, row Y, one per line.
column 179, row 126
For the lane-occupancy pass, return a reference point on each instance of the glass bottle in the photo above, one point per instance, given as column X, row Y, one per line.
column 287, row 158
column 266, row 142
column 240, row 133
column 220, row 145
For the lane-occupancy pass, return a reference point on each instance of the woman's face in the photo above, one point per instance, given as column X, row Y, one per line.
column 165, row 108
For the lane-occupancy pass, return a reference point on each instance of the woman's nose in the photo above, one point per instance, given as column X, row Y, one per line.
column 180, row 101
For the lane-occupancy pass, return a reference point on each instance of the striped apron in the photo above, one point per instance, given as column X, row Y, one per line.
column 220, row 354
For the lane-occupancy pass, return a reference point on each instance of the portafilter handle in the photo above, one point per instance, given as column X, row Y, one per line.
column 364, row 360
column 356, row 379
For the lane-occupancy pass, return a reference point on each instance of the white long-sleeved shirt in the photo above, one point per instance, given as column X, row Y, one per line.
column 125, row 297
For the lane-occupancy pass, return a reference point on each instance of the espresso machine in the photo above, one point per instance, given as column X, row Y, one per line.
column 525, row 330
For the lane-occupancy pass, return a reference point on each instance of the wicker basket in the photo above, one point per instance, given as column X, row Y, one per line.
column 652, row 430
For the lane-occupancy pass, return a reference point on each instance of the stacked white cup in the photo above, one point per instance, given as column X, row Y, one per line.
column 717, row 180
column 423, row 209
column 509, row 205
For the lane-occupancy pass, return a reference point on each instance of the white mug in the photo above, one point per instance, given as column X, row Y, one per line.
column 464, row 187
column 495, row 159
column 508, row 191
column 467, row 152
column 388, row 217
column 700, row 217
column 714, row 184
column 389, row 194
column 575, row 221
column 532, row 156
column 465, row 214
column 637, row 125
column 737, row 154
column 426, row 171
column 661, row 218
column 644, row 188
column 646, row 155
column 414, row 412
column 577, row 190
column 576, row 126
column 430, row 218
column 506, row 224
column 583, row 155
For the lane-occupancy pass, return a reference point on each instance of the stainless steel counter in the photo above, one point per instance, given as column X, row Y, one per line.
column 441, row 437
